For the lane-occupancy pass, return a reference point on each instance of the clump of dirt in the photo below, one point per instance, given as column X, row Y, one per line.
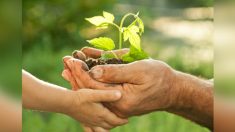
column 93, row 62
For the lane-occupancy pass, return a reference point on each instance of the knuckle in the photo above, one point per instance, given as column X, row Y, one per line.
column 125, row 107
column 116, row 123
column 102, row 115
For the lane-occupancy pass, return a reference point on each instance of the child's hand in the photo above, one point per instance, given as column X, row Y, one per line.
column 85, row 106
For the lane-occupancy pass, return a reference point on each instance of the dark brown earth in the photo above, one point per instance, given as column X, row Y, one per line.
column 93, row 62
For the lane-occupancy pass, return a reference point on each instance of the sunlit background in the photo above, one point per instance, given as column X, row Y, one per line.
column 179, row 32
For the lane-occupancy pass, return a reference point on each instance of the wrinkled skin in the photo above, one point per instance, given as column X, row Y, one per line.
column 143, row 90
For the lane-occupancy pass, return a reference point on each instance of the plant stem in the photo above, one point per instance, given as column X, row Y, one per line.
column 115, row 25
column 121, row 28
column 120, row 38
column 114, row 54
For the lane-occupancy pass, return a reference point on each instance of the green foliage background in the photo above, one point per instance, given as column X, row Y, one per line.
column 54, row 28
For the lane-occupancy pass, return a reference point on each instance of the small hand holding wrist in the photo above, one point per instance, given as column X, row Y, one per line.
column 84, row 105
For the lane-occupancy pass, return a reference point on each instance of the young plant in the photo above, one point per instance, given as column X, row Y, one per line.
column 130, row 33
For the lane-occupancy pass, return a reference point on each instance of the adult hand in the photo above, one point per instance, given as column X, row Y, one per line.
column 148, row 85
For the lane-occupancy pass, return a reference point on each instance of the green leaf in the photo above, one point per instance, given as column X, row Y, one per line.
column 127, row 58
column 103, row 43
column 108, row 55
column 134, row 28
column 135, row 40
column 97, row 20
column 131, row 33
column 126, row 34
column 141, row 25
column 108, row 16
column 134, row 55
column 103, row 26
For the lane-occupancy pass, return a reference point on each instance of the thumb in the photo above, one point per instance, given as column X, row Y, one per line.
column 105, row 95
column 121, row 73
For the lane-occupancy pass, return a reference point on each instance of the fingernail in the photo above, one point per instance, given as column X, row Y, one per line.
column 118, row 94
column 66, row 58
column 97, row 73
column 79, row 55
column 75, row 54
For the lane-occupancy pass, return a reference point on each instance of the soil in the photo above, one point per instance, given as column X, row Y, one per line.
column 93, row 62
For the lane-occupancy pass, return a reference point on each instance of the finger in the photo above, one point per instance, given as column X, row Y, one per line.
column 99, row 129
column 104, row 95
column 79, row 64
column 65, row 59
column 77, row 71
column 67, row 75
column 119, row 53
column 114, row 120
column 83, row 78
column 79, row 55
column 122, row 73
column 96, row 53
column 87, row 128
column 92, row 52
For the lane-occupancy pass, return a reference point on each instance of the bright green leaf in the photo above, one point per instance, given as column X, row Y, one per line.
column 103, row 43
column 134, row 28
column 134, row 55
column 97, row 20
column 131, row 33
column 141, row 25
column 126, row 34
column 135, row 40
column 107, row 55
column 103, row 26
column 127, row 58
column 108, row 16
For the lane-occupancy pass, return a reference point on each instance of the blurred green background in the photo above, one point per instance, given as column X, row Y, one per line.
column 10, row 48
column 178, row 32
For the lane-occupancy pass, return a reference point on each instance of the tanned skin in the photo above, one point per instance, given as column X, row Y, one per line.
column 147, row 86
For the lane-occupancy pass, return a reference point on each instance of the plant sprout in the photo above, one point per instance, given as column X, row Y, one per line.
column 131, row 33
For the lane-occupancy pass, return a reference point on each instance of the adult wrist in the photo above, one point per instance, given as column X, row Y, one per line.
column 193, row 99
column 181, row 94
column 190, row 90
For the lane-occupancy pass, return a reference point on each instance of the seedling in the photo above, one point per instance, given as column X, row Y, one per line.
column 130, row 34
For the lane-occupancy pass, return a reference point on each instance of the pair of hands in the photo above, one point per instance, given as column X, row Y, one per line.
column 146, row 86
